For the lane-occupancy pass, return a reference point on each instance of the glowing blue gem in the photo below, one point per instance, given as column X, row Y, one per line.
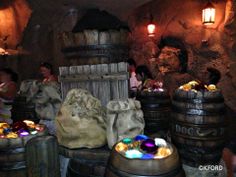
column 140, row 137
column 6, row 130
column 147, row 156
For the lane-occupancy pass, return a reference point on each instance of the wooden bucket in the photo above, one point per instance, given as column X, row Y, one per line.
column 86, row 162
column 156, row 109
column 12, row 155
column 199, row 126
column 120, row 166
column 22, row 110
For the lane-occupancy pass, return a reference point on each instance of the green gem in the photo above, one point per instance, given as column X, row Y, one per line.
column 127, row 140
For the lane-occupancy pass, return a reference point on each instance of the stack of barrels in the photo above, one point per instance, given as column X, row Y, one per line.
column 156, row 109
column 199, row 126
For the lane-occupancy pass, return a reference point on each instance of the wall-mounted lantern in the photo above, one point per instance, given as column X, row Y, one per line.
column 208, row 14
column 151, row 27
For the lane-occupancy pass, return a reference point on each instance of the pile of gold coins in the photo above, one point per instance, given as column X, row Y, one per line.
column 197, row 86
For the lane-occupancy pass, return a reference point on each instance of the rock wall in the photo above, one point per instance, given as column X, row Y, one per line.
column 14, row 16
column 207, row 46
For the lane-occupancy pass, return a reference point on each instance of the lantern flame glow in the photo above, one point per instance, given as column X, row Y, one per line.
column 208, row 14
column 151, row 29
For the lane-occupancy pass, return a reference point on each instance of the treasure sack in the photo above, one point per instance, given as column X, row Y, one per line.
column 81, row 121
column 124, row 119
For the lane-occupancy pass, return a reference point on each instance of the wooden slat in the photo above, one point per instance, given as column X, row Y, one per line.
column 86, row 71
column 64, row 86
column 123, row 85
column 114, row 83
column 105, row 85
column 77, row 78
column 73, row 71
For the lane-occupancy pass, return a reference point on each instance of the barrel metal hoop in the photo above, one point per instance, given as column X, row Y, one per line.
column 100, row 50
column 211, row 125
column 201, row 112
column 12, row 166
column 195, row 100
column 125, row 174
column 11, row 151
column 152, row 95
column 199, row 138
column 155, row 106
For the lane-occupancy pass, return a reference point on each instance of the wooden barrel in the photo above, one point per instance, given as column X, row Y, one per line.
column 12, row 162
column 12, row 155
column 42, row 157
column 22, row 110
column 198, row 126
column 99, row 38
column 86, row 162
column 156, row 109
column 120, row 166
column 98, row 48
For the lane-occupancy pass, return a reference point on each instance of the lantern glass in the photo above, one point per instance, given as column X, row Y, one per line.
column 151, row 29
column 208, row 14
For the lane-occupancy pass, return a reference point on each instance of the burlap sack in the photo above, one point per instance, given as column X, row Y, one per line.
column 81, row 121
column 48, row 101
column 124, row 119
column 29, row 88
column 45, row 97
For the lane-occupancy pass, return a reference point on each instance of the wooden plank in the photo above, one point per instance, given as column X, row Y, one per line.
column 114, row 83
column 72, row 71
column 104, row 88
column 96, row 77
column 80, row 84
column 94, row 89
column 63, row 71
column 86, row 71
column 123, row 85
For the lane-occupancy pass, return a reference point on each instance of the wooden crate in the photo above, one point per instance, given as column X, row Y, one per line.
column 105, row 81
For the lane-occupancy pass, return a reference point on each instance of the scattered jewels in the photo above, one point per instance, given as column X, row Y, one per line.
column 143, row 147
column 197, row 86
column 19, row 129
column 153, row 86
